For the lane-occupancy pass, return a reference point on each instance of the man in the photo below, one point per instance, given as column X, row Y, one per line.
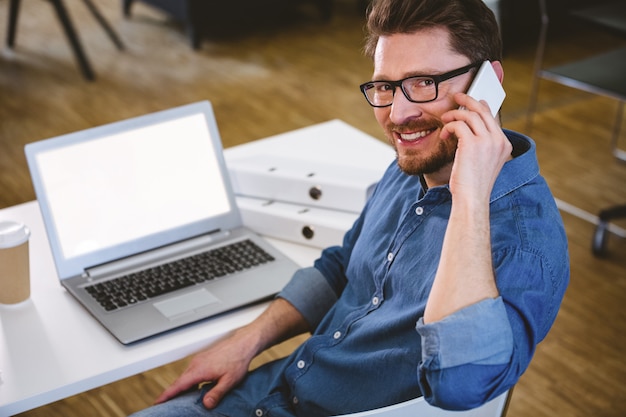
column 452, row 274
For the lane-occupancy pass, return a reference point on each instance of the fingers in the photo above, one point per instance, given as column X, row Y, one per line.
column 214, row 365
column 182, row 384
column 466, row 102
column 473, row 117
column 475, row 126
column 482, row 148
column 464, row 128
column 215, row 394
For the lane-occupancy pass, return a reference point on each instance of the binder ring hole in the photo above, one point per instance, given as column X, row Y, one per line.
column 308, row 232
column 315, row 193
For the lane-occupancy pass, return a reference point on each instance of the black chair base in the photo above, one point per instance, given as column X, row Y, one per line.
column 70, row 32
column 600, row 236
column 601, row 74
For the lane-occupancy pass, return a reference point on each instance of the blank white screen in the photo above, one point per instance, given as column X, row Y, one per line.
column 122, row 187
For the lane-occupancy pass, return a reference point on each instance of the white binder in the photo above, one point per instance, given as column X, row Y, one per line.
column 311, row 182
column 307, row 186
column 311, row 226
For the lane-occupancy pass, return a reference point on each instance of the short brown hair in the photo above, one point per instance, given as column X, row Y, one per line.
column 472, row 25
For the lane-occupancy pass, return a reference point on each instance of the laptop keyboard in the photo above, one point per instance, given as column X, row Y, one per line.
column 140, row 286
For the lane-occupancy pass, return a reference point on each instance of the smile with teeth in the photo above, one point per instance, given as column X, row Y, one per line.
column 415, row 135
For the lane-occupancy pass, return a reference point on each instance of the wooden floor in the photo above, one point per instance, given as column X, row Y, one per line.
column 294, row 71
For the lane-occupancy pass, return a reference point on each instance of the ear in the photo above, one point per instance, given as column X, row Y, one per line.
column 497, row 67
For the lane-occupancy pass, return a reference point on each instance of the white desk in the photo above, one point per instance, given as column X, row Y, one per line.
column 51, row 348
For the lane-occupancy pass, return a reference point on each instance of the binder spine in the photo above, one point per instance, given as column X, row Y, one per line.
column 309, row 183
column 311, row 226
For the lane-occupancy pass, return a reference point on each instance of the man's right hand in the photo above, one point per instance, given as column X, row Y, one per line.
column 226, row 363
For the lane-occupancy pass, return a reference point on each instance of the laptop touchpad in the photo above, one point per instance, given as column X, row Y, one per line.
column 185, row 304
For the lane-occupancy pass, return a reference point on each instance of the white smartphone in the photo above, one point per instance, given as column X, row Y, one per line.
column 486, row 86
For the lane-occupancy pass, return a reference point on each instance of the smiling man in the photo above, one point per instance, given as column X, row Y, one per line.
column 452, row 274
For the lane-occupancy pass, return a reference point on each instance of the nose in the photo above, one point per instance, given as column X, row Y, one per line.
column 402, row 110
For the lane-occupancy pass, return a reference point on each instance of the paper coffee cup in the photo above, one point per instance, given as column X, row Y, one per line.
column 14, row 263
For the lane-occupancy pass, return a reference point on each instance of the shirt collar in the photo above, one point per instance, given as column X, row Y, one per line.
column 520, row 170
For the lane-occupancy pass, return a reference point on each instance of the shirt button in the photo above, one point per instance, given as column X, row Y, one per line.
column 258, row 412
column 337, row 335
column 419, row 211
column 295, row 400
column 300, row 364
column 375, row 301
column 390, row 256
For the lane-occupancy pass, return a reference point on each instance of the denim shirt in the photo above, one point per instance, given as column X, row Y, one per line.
column 365, row 301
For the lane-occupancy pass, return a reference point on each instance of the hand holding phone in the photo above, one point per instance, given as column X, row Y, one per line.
column 486, row 86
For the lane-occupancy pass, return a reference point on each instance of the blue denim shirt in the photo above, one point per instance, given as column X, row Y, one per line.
column 365, row 301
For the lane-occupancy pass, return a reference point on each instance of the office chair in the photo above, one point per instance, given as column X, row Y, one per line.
column 603, row 74
column 68, row 28
column 419, row 407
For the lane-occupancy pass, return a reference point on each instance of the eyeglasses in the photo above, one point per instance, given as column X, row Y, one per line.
column 417, row 89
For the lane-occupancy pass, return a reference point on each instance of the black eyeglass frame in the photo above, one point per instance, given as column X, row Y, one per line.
column 437, row 79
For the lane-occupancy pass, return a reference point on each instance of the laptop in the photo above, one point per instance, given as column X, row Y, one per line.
column 127, row 205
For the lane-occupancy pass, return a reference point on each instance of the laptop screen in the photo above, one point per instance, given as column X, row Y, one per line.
column 112, row 192
column 122, row 187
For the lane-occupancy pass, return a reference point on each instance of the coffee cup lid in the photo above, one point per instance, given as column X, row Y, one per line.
column 13, row 234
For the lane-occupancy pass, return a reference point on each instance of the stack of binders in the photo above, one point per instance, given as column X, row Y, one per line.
column 309, row 198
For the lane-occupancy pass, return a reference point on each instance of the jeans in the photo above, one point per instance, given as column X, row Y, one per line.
column 188, row 405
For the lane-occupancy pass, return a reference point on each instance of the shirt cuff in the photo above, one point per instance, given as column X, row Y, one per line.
column 479, row 334
column 309, row 292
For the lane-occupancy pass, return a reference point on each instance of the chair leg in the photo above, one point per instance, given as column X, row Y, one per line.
column 600, row 237
column 193, row 23
column 193, row 33
column 617, row 152
column 14, row 8
column 73, row 39
column 541, row 46
column 326, row 9
column 126, row 4
column 107, row 28
column 195, row 39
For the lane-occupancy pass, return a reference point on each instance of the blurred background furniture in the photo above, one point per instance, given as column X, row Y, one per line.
column 200, row 16
column 602, row 74
column 68, row 28
column 519, row 23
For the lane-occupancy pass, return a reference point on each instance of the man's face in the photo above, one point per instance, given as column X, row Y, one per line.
column 413, row 128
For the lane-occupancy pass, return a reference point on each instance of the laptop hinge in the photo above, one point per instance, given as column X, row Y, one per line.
column 154, row 257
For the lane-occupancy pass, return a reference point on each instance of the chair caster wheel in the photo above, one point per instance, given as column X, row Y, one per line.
column 600, row 239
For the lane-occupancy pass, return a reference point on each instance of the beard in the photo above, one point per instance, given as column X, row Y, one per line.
column 413, row 162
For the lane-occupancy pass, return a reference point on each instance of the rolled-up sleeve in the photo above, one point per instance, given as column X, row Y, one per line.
column 309, row 292
column 479, row 334
column 464, row 354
